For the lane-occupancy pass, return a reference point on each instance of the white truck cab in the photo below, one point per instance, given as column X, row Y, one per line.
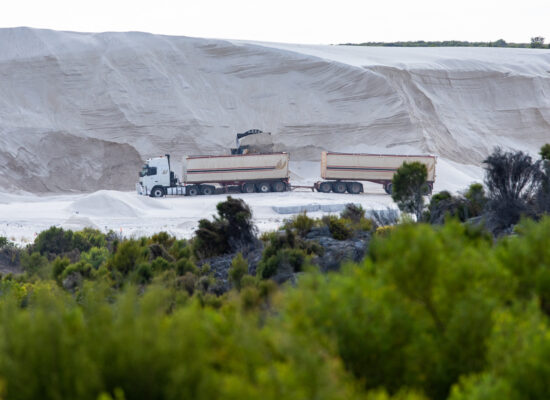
column 155, row 177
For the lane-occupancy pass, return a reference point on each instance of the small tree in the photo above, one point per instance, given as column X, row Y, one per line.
column 409, row 185
column 537, row 42
column 512, row 180
column 545, row 152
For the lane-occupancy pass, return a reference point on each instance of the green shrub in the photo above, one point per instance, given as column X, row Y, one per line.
column 159, row 264
column 476, row 199
column 231, row 230
column 162, row 238
column 302, row 223
column 58, row 266
column 95, row 256
column 185, row 265
column 187, row 282
column 292, row 260
column 3, row 241
column 81, row 267
column 210, row 239
column 338, row 227
column 144, row 273
column 53, row 240
column 33, row 263
column 127, row 256
column 180, row 249
column 355, row 213
column 58, row 241
column 527, row 257
column 239, row 268
column 417, row 314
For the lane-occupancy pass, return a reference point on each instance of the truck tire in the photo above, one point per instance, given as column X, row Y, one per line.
column 248, row 188
column 388, row 187
column 192, row 190
column 207, row 190
column 278, row 186
column 263, row 187
column 157, row 191
column 325, row 187
column 354, row 187
column 339, row 187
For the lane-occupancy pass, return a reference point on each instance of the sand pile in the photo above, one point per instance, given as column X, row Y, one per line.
column 79, row 111
column 103, row 204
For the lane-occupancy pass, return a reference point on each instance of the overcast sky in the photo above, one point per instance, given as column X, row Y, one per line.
column 294, row 21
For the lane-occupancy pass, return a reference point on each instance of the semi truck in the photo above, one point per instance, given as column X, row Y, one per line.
column 253, row 167
column 344, row 171
column 202, row 175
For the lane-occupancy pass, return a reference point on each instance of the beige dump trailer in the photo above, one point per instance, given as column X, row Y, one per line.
column 252, row 172
column 343, row 171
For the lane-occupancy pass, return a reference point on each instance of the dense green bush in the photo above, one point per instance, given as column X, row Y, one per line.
column 96, row 256
column 239, row 268
column 418, row 314
column 339, row 227
column 432, row 313
column 58, row 241
column 55, row 348
column 127, row 256
column 285, row 253
column 231, row 230
column 33, row 263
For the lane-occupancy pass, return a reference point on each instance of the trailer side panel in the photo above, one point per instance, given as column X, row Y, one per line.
column 369, row 167
column 248, row 167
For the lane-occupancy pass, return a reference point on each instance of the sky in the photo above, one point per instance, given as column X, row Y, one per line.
column 292, row 21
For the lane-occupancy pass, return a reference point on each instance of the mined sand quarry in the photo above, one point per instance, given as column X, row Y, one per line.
column 78, row 112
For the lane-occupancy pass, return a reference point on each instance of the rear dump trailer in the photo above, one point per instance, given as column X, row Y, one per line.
column 202, row 175
column 343, row 172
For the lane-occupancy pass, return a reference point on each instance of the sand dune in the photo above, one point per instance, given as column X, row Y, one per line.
column 79, row 111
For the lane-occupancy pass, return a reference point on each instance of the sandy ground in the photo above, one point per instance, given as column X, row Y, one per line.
column 132, row 215
column 23, row 216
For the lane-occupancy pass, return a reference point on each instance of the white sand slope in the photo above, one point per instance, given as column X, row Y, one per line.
column 79, row 111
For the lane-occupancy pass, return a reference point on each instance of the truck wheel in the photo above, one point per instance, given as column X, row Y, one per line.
column 278, row 187
column 354, row 187
column 192, row 190
column 339, row 187
column 388, row 188
column 325, row 187
column 248, row 188
column 157, row 192
column 207, row 190
column 263, row 187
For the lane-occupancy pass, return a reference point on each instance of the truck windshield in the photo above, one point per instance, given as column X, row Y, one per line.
column 143, row 171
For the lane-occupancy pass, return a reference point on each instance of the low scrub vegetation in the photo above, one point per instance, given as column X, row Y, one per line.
column 434, row 312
